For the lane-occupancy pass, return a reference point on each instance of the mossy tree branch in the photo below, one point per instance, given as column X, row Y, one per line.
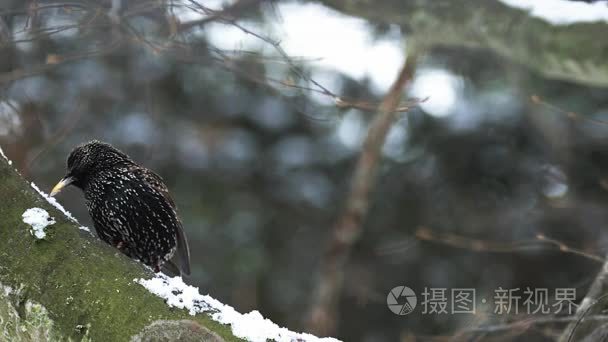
column 83, row 288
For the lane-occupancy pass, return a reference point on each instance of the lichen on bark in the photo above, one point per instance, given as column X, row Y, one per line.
column 22, row 320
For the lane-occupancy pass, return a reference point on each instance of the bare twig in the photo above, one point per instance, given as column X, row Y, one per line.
column 477, row 245
column 228, row 13
column 591, row 304
column 567, row 249
column 53, row 61
column 92, row 18
column 71, row 121
column 525, row 323
column 569, row 114
column 349, row 225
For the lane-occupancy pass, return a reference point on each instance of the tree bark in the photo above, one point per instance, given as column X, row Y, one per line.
column 71, row 285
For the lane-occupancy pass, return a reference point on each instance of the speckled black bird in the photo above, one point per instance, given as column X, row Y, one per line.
column 130, row 206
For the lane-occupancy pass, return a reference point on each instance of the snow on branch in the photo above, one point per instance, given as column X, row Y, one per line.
column 563, row 12
column 38, row 219
column 52, row 201
column 251, row 326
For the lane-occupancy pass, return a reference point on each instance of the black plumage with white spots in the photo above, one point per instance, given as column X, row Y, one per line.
column 130, row 206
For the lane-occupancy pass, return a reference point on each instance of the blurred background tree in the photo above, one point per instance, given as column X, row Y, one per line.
column 254, row 112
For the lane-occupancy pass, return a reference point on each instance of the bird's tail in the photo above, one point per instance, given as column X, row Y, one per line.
column 170, row 268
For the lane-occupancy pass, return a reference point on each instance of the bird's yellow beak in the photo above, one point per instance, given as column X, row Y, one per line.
column 62, row 184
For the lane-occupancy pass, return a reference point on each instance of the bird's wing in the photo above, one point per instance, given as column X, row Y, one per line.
column 183, row 251
column 156, row 182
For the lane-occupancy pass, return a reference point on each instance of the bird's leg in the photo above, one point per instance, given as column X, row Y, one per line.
column 120, row 245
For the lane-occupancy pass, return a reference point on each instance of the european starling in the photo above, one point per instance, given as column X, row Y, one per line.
column 130, row 206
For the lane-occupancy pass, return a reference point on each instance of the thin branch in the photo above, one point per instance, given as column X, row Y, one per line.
column 53, row 61
column 226, row 14
column 569, row 114
column 597, row 292
column 348, row 227
column 567, row 249
column 174, row 47
column 541, row 241
column 71, row 121
column 526, row 323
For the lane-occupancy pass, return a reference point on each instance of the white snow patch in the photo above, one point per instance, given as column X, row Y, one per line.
column 3, row 155
column 251, row 326
column 53, row 202
column 563, row 12
column 39, row 219
column 10, row 162
column 86, row 229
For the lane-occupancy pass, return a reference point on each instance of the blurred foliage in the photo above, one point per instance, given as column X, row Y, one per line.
column 259, row 169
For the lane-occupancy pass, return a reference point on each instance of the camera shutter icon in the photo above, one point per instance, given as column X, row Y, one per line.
column 401, row 300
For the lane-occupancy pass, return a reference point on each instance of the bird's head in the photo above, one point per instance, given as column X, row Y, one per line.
column 86, row 160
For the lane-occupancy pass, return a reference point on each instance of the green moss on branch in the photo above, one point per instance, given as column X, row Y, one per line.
column 82, row 288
